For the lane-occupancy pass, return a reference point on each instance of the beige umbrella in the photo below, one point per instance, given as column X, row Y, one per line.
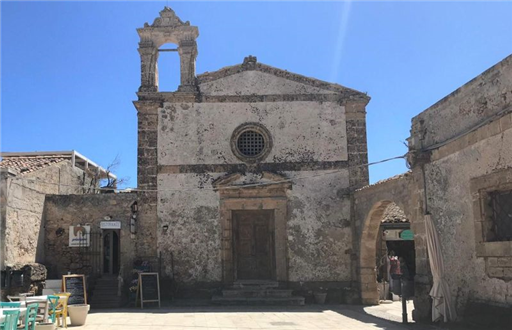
column 442, row 307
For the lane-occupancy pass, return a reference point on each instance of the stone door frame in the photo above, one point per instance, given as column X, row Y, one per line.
column 267, row 197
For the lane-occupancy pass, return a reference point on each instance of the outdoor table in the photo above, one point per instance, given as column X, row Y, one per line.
column 22, row 310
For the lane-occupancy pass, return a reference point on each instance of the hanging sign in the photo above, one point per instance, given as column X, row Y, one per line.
column 110, row 225
column 407, row 235
column 79, row 236
column 148, row 288
column 75, row 284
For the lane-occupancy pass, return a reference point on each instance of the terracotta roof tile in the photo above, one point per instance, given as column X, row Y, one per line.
column 394, row 214
column 26, row 164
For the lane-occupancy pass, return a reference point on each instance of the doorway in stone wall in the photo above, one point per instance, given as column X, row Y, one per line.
column 111, row 251
column 395, row 247
column 253, row 238
column 387, row 251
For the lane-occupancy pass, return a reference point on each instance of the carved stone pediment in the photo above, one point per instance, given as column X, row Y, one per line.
column 263, row 180
column 168, row 18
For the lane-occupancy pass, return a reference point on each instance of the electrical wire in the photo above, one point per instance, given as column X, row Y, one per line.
column 250, row 185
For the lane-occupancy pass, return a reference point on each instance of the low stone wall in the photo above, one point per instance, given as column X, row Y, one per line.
column 23, row 278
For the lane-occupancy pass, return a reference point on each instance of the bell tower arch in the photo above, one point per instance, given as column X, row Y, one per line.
column 168, row 28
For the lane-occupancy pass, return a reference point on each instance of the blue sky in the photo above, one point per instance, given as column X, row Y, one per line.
column 70, row 70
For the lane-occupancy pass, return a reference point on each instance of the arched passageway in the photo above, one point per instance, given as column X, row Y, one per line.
column 370, row 207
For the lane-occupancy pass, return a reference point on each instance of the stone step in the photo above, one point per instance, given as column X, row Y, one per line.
column 101, row 300
column 105, row 288
column 260, row 301
column 255, row 284
column 105, row 301
column 105, row 305
column 254, row 293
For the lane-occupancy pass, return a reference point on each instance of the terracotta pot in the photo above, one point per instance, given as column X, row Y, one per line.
column 78, row 314
column 320, row 297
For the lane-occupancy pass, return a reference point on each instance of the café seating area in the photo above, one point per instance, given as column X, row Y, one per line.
column 30, row 312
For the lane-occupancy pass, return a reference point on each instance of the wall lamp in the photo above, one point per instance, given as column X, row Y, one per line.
column 133, row 219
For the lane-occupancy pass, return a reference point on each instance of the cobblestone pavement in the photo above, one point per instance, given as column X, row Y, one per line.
column 238, row 317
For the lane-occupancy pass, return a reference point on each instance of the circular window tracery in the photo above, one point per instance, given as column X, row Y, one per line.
column 251, row 142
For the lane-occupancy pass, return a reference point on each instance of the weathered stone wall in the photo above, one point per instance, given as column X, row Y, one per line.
column 200, row 133
column 62, row 211
column 4, row 176
column 147, row 167
column 483, row 97
column 318, row 230
column 193, row 234
column 24, row 208
column 319, row 227
column 474, row 127
column 450, row 202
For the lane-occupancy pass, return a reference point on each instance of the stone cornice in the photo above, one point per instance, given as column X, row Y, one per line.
column 180, row 97
column 260, row 167
column 253, row 66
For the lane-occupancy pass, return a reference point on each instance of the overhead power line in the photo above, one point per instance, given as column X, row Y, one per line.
column 324, row 173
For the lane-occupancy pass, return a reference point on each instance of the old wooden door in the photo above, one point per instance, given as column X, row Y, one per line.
column 254, row 244
column 110, row 252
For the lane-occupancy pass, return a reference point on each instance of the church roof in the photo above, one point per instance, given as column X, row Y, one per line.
column 250, row 64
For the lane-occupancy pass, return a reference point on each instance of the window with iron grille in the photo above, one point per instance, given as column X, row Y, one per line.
column 251, row 143
column 501, row 204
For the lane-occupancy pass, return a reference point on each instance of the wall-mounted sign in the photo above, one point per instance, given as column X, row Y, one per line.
column 79, row 236
column 110, row 225
column 391, row 234
column 398, row 235
column 407, row 235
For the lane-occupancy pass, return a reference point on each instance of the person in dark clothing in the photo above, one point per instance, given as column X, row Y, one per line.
column 404, row 270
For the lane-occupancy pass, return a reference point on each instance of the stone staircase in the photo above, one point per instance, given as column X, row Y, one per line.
column 104, row 294
column 265, row 293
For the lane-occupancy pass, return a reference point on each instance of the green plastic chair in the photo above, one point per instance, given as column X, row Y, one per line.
column 11, row 320
column 53, row 301
column 10, row 304
column 30, row 316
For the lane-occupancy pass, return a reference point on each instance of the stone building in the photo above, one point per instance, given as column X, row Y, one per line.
column 461, row 158
column 255, row 175
column 26, row 179
column 246, row 172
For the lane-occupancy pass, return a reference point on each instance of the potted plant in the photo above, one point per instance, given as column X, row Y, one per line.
column 320, row 296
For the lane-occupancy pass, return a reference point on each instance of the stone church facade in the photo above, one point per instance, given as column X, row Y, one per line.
column 246, row 172
column 253, row 174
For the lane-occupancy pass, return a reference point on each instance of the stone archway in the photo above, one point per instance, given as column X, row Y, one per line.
column 368, row 274
column 370, row 203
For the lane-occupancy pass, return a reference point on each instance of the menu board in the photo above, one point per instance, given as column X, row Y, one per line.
column 75, row 284
column 149, row 288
